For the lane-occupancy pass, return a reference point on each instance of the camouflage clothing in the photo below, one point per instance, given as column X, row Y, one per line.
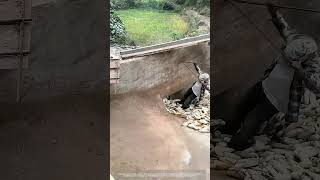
column 300, row 48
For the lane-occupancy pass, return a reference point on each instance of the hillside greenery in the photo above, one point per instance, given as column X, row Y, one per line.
column 146, row 22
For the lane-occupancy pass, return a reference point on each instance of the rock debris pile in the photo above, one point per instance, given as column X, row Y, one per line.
column 197, row 116
column 295, row 157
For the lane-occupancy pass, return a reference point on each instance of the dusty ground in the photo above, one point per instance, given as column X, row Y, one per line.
column 145, row 137
column 55, row 139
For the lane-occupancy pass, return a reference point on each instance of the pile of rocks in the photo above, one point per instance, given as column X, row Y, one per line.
column 296, row 156
column 197, row 116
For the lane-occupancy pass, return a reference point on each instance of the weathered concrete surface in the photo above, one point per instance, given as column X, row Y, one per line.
column 166, row 71
column 241, row 53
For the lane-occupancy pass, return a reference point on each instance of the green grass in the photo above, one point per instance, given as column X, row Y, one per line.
column 148, row 26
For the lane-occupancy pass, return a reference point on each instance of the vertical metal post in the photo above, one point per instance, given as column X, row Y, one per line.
column 21, row 55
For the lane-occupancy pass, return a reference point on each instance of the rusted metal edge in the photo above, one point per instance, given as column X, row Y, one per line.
column 14, row 21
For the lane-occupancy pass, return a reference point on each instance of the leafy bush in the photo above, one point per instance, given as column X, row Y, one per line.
column 197, row 3
column 126, row 4
column 170, row 6
column 154, row 4
column 118, row 32
column 160, row 4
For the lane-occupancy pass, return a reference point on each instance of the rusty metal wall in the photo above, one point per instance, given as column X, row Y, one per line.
column 11, row 9
column 11, row 12
column 15, row 31
column 68, row 45
column 67, row 51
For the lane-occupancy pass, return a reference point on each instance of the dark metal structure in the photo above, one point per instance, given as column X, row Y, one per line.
column 15, row 32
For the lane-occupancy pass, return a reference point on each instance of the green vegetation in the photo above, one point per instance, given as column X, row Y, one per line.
column 117, row 30
column 160, row 4
column 146, row 22
column 146, row 27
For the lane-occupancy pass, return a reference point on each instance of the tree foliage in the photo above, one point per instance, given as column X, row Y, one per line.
column 160, row 4
column 118, row 32
column 117, row 29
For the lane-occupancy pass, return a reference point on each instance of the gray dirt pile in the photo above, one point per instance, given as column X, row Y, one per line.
column 197, row 116
column 296, row 156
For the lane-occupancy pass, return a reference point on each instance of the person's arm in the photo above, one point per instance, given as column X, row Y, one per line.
column 201, row 94
column 280, row 23
column 205, row 87
column 310, row 74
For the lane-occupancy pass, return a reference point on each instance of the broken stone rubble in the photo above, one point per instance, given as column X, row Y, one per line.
column 197, row 116
column 295, row 157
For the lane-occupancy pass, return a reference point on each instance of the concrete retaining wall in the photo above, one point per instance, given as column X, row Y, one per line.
column 165, row 71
